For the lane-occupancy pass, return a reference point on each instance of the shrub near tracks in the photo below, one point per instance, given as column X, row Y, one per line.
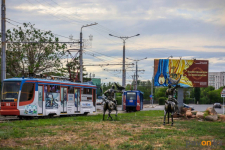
column 138, row 130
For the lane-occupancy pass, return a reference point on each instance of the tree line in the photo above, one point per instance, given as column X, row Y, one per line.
column 36, row 51
column 203, row 95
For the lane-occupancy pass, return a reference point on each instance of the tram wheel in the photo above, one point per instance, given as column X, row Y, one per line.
column 20, row 117
column 50, row 115
column 27, row 117
column 86, row 113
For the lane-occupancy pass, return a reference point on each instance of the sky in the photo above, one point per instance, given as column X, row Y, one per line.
column 187, row 29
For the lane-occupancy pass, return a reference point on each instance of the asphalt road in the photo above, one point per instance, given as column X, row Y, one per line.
column 199, row 107
column 146, row 107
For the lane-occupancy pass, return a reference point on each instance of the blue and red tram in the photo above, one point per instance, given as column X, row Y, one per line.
column 132, row 100
column 41, row 97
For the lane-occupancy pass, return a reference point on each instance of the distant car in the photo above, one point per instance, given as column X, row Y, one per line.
column 187, row 106
column 99, row 101
column 217, row 105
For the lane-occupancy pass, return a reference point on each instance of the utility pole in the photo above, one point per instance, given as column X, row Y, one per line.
column 3, row 56
column 81, row 51
column 124, row 71
column 137, row 69
column 134, row 83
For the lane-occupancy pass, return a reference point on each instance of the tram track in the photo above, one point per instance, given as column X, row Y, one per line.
column 15, row 118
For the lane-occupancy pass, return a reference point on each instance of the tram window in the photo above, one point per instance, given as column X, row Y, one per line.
column 27, row 92
column 10, row 90
column 52, row 88
column 71, row 90
column 57, row 89
column 87, row 91
column 131, row 95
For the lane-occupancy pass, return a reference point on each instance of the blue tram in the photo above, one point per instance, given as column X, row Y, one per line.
column 132, row 100
column 42, row 97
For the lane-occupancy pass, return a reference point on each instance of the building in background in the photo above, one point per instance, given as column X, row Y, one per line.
column 97, row 82
column 216, row 79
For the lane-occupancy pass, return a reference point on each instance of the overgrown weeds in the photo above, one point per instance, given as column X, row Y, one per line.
column 138, row 130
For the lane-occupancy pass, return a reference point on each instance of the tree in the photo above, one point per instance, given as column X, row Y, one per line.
column 160, row 92
column 197, row 93
column 28, row 57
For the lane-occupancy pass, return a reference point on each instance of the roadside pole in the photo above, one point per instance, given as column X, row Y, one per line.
column 223, row 95
column 152, row 102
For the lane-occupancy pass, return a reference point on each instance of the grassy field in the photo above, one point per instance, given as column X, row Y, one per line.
column 138, row 130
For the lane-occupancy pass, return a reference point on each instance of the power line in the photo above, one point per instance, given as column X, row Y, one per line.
column 86, row 21
column 34, row 28
column 77, row 20
column 80, row 22
column 58, row 17
column 100, row 55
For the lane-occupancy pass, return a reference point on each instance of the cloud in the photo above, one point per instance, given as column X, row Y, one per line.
column 187, row 28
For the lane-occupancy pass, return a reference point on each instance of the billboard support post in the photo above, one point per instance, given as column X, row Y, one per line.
column 180, row 95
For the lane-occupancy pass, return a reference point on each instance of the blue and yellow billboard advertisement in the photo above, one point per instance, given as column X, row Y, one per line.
column 192, row 73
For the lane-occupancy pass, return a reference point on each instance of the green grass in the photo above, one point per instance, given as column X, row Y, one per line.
column 138, row 130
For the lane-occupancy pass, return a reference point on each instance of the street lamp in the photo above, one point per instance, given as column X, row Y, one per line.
column 90, row 37
column 81, row 50
column 170, row 56
column 124, row 71
column 137, row 68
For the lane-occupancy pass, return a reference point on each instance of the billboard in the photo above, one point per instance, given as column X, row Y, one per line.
column 193, row 73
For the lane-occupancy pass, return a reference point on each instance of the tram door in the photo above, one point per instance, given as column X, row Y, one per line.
column 94, row 97
column 77, row 100
column 40, row 99
column 63, row 91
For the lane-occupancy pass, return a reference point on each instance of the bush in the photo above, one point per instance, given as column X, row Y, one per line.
column 162, row 100
column 119, row 100
column 204, row 101
column 188, row 100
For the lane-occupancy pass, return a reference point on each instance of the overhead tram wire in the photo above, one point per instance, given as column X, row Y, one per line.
column 91, row 54
column 92, row 27
column 113, row 61
column 100, row 55
column 71, row 21
column 64, row 19
column 64, row 57
column 68, row 38
column 51, row 5
column 53, row 33
column 85, row 21
column 107, row 62
column 80, row 21
column 35, row 28
column 76, row 18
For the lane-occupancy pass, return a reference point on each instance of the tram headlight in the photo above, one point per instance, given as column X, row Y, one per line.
column 15, row 100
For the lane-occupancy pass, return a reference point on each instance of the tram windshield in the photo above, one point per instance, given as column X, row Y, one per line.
column 10, row 91
column 131, row 95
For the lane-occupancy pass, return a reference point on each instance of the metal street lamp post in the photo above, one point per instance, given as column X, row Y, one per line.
column 81, row 50
column 124, row 71
column 170, row 56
